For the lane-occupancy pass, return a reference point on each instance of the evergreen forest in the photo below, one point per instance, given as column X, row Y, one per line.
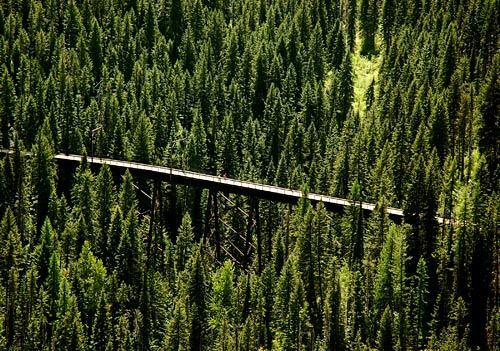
column 389, row 102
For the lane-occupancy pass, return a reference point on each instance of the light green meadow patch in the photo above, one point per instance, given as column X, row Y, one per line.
column 365, row 71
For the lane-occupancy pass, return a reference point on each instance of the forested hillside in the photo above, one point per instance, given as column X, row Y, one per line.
column 394, row 102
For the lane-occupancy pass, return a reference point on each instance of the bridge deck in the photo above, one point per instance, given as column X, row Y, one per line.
column 270, row 192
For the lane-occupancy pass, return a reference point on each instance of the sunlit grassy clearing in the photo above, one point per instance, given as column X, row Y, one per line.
column 364, row 71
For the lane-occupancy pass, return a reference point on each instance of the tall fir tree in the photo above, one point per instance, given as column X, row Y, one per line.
column 197, row 292
column 7, row 107
column 43, row 175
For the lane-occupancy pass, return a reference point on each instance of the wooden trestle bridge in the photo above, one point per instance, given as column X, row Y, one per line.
column 226, row 185
column 218, row 188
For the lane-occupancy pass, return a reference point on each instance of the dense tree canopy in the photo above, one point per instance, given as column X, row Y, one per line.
column 385, row 101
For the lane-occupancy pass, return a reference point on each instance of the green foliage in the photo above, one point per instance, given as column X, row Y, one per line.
column 68, row 330
column 385, row 339
column 222, row 305
column 84, row 198
column 419, row 317
column 89, row 281
column 102, row 330
column 104, row 206
column 43, row 176
column 197, row 295
column 185, row 245
column 7, row 107
column 11, row 252
column 130, row 252
column 143, row 142
column 177, row 333
column 96, row 50
column 333, row 327
column 390, row 102
column 384, row 282
column 388, row 19
column 127, row 198
column 196, row 149
column 367, row 18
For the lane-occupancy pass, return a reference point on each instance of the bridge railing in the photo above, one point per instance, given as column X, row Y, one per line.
column 231, row 182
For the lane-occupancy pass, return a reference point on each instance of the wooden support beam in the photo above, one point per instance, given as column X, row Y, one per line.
column 259, row 236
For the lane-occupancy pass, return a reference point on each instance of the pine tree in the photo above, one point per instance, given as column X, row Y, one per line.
column 316, row 52
column 196, row 149
column 351, row 22
column 188, row 51
column 300, row 331
column 102, row 329
column 268, row 279
column 338, row 45
column 252, row 149
column 10, row 245
column 48, row 244
column 68, row 330
column 489, row 126
column 356, row 322
column 400, row 288
column 185, row 243
column 259, row 81
column 127, row 198
column 7, row 107
column 246, row 294
column 344, row 90
column 384, row 281
column 123, row 334
column 333, row 327
column 278, row 254
column 370, row 95
column 420, row 299
column 227, row 147
column 104, row 205
column 356, row 227
column 176, row 27
column 385, row 337
column 43, row 175
column 388, row 19
column 114, row 237
column 72, row 23
column 282, row 297
column 307, row 264
column 95, row 49
column 290, row 317
column 151, row 26
column 11, row 307
column 6, row 178
column 143, row 140
column 10, row 263
column 367, row 17
column 177, row 334
column 89, row 281
column 222, row 304
column 340, row 180
column 448, row 58
column 197, row 292
column 130, row 252
column 273, row 123
column 84, row 198
column 53, row 287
